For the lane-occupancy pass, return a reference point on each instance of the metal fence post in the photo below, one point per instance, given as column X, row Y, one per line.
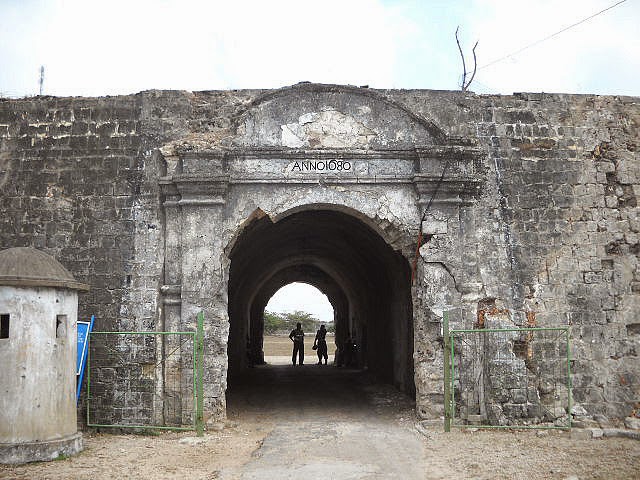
column 569, row 384
column 199, row 370
column 447, row 372
column 88, row 376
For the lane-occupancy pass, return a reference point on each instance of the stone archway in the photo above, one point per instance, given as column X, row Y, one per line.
column 367, row 280
column 231, row 196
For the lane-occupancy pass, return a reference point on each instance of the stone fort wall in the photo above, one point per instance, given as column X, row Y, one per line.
column 554, row 231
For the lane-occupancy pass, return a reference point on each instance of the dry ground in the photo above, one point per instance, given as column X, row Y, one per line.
column 477, row 455
column 118, row 457
column 281, row 345
column 290, row 422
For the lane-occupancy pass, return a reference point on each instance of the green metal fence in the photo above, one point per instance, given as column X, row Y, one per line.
column 146, row 380
column 508, row 378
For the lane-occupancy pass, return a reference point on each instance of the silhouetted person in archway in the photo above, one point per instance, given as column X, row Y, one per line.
column 349, row 351
column 297, row 337
column 321, row 344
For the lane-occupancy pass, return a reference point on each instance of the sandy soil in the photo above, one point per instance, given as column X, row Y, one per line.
column 278, row 348
column 530, row 455
column 341, row 425
column 165, row 456
column 477, row 455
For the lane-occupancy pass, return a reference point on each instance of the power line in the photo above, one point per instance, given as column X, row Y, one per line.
column 484, row 86
column 550, row 36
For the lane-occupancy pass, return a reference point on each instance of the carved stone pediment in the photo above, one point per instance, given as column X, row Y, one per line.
column 324, row 134
column 194, row 189
column 332, row 116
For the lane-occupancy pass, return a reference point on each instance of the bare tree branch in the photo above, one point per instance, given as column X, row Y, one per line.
column 464, row 85
column 464, row 67
column 475, row 67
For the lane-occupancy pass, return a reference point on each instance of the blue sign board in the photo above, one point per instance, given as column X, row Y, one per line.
column 83, row 336
column 84, row 328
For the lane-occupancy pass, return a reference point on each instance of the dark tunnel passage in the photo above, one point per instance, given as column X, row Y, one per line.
column 366, row 281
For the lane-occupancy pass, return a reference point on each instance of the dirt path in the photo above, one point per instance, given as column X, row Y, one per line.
column 328, row 422
column 313, row 421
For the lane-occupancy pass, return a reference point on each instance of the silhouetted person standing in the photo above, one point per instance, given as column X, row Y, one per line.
column 297, row 337
column 349, row 351
column 321, row 344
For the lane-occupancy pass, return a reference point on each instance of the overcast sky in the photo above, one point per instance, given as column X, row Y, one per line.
column 117, row 47
column 110, row 47
column 300, row 296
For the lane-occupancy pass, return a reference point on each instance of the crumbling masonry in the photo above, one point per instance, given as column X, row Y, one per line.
column 168, row 203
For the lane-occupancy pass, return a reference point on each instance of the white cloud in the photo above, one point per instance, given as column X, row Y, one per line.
column 271, row 44
column 93, row 48
column 566, row 62
column 98, row 48
column 304, row 297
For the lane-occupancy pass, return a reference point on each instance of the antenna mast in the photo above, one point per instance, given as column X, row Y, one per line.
column 41, row 78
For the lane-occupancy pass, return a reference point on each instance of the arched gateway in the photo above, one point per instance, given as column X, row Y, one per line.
column 366, row 281
column 169, row 203
column 326, row 185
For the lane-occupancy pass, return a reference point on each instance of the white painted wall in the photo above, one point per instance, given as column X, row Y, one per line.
column 37, row 370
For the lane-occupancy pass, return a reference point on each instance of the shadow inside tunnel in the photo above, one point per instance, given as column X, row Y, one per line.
column 309, row 391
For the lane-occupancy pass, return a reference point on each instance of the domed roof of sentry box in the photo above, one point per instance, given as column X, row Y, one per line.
column 28, row 267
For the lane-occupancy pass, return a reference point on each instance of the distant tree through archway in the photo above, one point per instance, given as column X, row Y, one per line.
column 293, row 303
